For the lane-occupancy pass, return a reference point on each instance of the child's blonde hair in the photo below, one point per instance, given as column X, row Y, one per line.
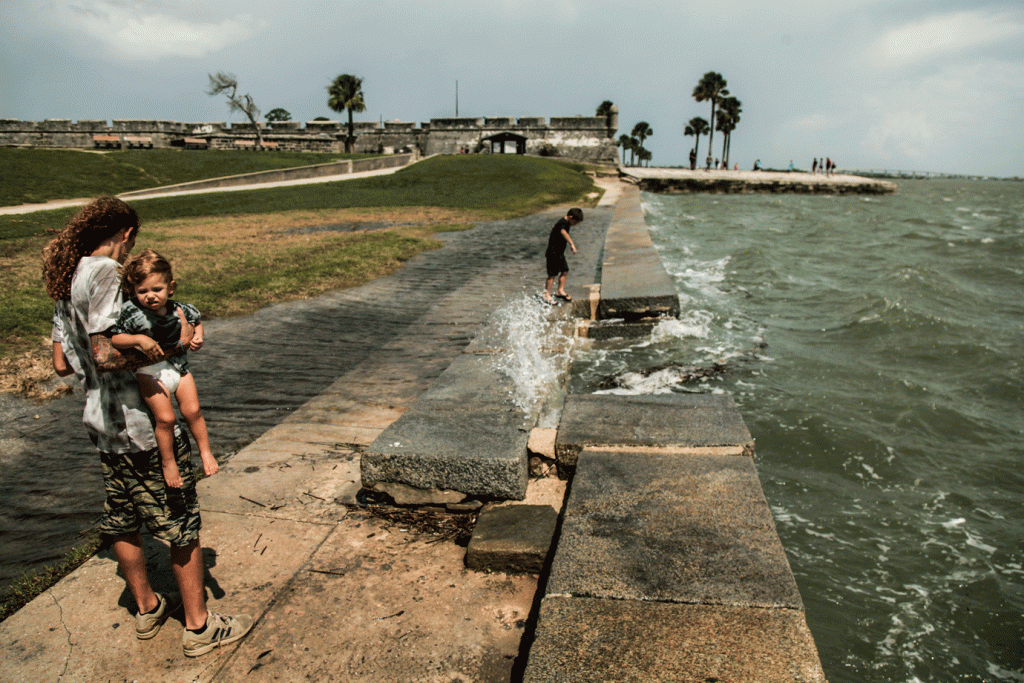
column 142, row 266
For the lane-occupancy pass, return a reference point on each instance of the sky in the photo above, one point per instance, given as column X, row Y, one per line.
column 897, row 85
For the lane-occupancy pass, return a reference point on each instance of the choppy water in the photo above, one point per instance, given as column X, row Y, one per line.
column 874, row 347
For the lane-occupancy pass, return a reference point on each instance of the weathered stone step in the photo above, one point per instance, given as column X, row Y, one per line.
column 679, row 423
column 461, row 438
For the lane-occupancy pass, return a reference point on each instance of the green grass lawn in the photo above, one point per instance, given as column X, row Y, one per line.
column 39, row 175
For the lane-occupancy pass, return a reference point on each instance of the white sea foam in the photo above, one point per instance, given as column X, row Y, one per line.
column 527, row 343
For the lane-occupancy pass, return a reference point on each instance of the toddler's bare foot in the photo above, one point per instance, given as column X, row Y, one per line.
column 172, row 477
column 210, row 466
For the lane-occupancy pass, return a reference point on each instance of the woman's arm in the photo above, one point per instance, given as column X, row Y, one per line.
column 60, row 361
column 110, row 359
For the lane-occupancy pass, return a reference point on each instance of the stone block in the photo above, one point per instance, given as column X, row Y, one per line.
column 434, row 445
column 694, row 529
column 514, row 539
column 582, row 640
column 695, row 422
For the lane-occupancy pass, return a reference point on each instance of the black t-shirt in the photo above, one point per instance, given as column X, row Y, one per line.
column 556, row 241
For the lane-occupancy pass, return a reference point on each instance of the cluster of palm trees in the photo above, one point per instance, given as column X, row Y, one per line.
column 725, row 114
column 634, row 144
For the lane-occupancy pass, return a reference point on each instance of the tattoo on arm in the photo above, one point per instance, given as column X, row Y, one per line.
column 110, row 359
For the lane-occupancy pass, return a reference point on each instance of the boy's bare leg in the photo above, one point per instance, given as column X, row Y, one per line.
column 159, row 402
column 131, row 560
column 561, row 284
column 187, row 564
column 547, row 288
column 188, row 400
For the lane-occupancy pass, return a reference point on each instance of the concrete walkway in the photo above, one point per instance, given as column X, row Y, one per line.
column 157, row 192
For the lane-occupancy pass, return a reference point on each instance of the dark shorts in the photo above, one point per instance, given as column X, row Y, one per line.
column 137, row 495
column 557, row 264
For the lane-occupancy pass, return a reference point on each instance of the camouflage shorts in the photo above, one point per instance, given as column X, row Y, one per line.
column 137, row 495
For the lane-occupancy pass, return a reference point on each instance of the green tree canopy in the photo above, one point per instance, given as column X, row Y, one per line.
column 641, row 131
column 345, row 93
column 696, row 127
column 626, row 143
column 604, row 108
column 728, row 116
column 279, row 114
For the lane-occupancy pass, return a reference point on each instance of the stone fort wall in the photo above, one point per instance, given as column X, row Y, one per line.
column 580, row 138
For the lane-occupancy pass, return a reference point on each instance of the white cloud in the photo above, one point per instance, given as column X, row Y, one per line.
column 143, row 31
column 958, row 103
column 943, row 35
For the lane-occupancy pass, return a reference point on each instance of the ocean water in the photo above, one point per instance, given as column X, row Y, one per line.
column 874, row 346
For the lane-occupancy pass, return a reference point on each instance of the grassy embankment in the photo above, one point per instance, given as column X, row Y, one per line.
column 39, row 175
column 235, row 252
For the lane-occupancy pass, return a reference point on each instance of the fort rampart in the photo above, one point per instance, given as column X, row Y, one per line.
column 577, row 137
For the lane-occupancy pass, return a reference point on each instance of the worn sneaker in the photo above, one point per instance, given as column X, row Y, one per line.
column 220, row 630
column 147, row 625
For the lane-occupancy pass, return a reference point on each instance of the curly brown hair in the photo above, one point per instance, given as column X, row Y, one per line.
column 142, row 266
column 94, row 224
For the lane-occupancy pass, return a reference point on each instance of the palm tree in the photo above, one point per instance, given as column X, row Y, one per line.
column 634, row 147
column 728, row 116
column 644, row 155
column 604, row 108
column 696, row 127
column 641, row 131
column 346, row 93
column 626, row 143
column 711, row 87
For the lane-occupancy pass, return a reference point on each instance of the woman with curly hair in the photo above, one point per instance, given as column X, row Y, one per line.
column 82, row 270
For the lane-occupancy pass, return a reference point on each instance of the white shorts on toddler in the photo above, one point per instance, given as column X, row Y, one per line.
column 164, row 373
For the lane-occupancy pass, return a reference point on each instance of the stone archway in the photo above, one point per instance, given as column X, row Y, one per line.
column 505, row 143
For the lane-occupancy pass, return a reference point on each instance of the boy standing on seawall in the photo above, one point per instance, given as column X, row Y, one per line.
column 555, row 254
column 81, row 267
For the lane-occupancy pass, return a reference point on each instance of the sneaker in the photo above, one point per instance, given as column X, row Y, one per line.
column 147, row 625
column 220, row 630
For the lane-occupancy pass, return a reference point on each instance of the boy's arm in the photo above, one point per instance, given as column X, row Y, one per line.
column 565, row 234
column 197, row 338
column 146, row 344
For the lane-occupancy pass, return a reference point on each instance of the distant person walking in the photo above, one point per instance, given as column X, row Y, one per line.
column 814, row 166
column 693, row 159
column 555, row 254
column 81, row 266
